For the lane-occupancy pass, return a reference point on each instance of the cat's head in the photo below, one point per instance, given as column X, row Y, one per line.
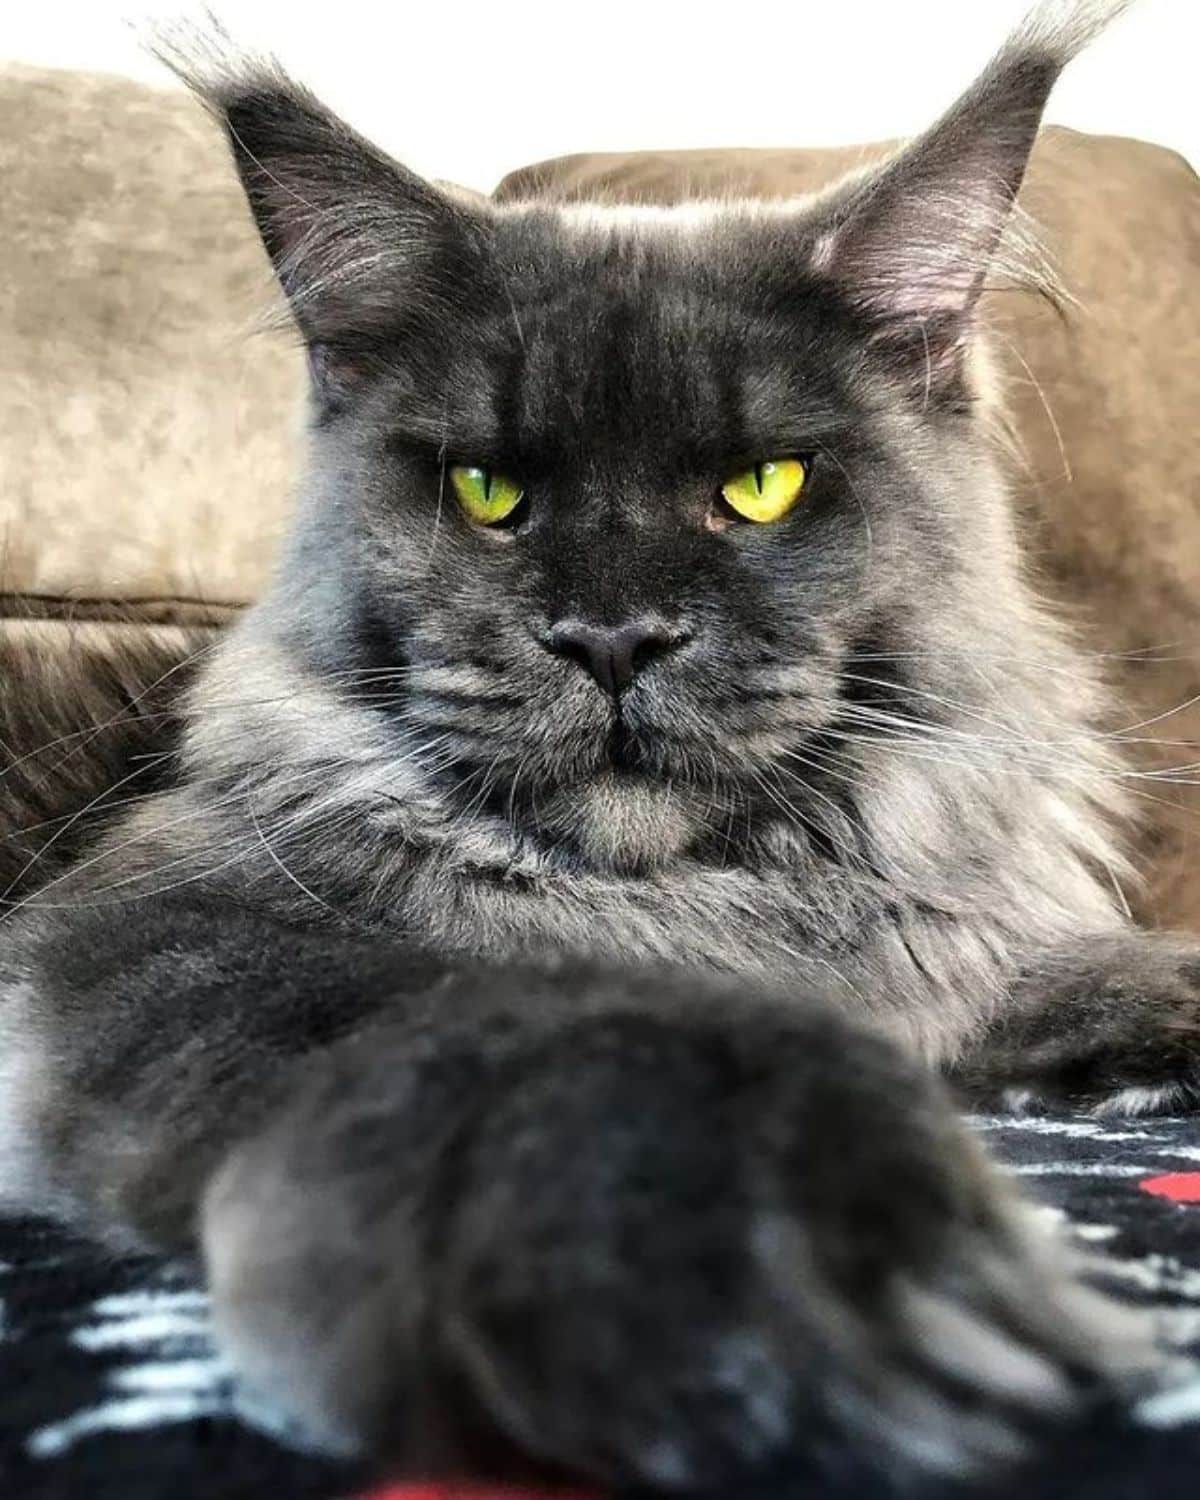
column 608, row 506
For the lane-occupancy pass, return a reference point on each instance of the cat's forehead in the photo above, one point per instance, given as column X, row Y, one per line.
column 716, row 246
column 685, row 219
column 694, row 280
column 699, row 313
column 690, row 217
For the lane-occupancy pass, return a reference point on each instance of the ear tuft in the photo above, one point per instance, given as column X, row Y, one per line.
column 915, row 243
column 362, row 247
column 1063, row 28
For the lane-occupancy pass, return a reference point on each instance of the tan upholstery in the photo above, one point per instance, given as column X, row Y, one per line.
column 148, row 436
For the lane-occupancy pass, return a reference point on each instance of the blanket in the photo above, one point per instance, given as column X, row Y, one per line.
column 111, row 1388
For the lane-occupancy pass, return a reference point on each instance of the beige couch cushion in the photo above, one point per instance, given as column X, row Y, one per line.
column 147, row 435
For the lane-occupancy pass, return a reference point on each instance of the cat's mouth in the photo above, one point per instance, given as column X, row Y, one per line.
column 626, row 748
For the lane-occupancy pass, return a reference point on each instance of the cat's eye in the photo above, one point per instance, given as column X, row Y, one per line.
column 485, row 496
column 767, row 491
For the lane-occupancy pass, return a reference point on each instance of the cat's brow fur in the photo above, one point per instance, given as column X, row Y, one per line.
column 438, row 978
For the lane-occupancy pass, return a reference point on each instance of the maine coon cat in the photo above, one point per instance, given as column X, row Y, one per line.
column 528, row 995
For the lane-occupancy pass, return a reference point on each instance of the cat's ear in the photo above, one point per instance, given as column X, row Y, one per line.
column 364, row 249
column 915, row 243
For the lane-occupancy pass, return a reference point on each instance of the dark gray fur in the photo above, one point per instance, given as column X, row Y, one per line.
column 548, row 1077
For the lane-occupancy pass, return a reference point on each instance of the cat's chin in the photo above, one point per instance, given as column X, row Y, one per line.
column 623, row 821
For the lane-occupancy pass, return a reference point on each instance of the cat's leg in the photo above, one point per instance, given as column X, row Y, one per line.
column 652, row 1252
column 641, row 1229
column 1111, row 1026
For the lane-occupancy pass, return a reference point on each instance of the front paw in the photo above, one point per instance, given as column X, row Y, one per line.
column 678, row 1260
column 1110, row 1031
column 658, row 1256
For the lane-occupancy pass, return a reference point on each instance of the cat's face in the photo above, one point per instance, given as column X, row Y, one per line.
column 624, row 622
column 626, row 659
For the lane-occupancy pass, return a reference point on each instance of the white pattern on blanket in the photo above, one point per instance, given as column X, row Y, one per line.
column 148, row 1358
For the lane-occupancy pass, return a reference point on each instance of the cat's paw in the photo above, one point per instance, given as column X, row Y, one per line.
column 1112, row 1031
column 663, row 1257
column 729, row 1256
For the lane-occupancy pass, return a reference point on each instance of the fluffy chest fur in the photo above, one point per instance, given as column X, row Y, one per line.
column 911, row 906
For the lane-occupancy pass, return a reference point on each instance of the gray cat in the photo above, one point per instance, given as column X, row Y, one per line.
column 649, row 770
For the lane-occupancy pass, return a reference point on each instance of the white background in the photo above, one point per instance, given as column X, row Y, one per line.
column 467, row 90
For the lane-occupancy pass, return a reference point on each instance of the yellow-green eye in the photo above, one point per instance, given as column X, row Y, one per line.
column 485, row 496
column 768, row 490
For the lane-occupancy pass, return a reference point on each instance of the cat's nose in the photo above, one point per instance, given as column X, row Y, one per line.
column 614, row 654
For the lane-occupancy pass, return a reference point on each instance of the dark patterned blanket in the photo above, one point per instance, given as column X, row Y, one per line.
column 110, row 1388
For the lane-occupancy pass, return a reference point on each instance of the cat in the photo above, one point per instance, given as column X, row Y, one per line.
column 593, row 876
